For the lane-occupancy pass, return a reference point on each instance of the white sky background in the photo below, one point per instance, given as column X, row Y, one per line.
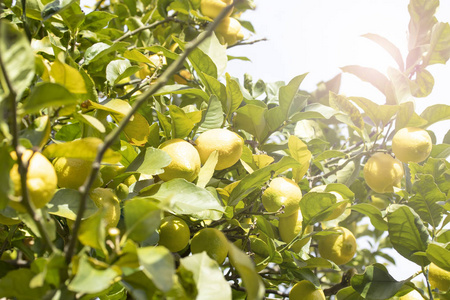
column 319, row 36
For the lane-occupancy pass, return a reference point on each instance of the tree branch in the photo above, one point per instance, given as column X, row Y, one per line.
column 115, row 133
column 150, row 26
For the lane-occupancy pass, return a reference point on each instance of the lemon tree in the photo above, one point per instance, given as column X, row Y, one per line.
column 135, row 165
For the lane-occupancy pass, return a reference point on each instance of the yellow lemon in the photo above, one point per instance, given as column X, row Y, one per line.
column 72, row 172
column 183, row 77
column 148, row 70
column 305, row 290
column 106, row 199
column 41, row 179
column 230, row 30
column 213, row 241
column 338, row 210
column 340, row 247
column 413, row 295
column 174, row 233
column 439, row 278
column 185, row 160
column 227, row 143
column 290, row 227
column 282, row 191
column 212, row 8
column 382, row 172
column 411, row 144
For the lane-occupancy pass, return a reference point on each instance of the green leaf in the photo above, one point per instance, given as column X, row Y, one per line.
column 179, row 89
column 436, row 113
column 96, row 20
column 182, row 125
column 66, row 202
column 16, row 284
column 158, row 265
column 440, row 151
column 388, row 46
column 439, row 255
column 348, row 293
column 423, row 84
column 85, row 148
column 234, row 96
column 99, row 50
column 316, row 207
column 208, row 277
column 377, row 113
column 92, row 231
column 251, row 118
column 257, row 179
column 68, row 77
column 47, row 94
column 17, row 57
column 91, row 280
column 376, row 283
column 207, row 171
column 186, row 198
column 119, row 69
column 215, row 87
column 142, row 218
column 150, row 162
column 213, row 117
column 244, row 265
column 287, row 96
column 90, row 121
column 47, row 222
column 6, row 188
column 216, row 51
column 407, row 233
column 401, row 87
column 55, row 7
column 341, row 103
column 422, row 20
column 369, row 75
column 373, row 213
column 314, row 111
column 299, row 151
column 439, row 51
column 426, row 194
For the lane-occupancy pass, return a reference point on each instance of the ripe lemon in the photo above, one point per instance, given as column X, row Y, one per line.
column 149, row 70
column 212, row 8
column 290, row 227
column 338, row 210
column 105, row 198
column 185, row 160
column 227, row 143
column 411, row 144
column 41, row 179
column 305, row 290
column 382, row 172
column 339, row 248
column 213, row 241
column 229, row 31
column 182, row 77
column 174, row 233
column 282, row 191
column 439, row 278
column 413, row 295
column 72, row 172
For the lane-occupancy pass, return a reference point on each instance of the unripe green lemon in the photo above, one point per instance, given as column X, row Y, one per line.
column 230, row 30
column 213, row 241
column 105, row 198
column 339, row 248
column 282, row 191
column 185, row 160
column 411, row 144
column 439, row 278
column 338, row 210
column 122, row 191
column 382, row 172
column 41, row 179
column 174, row 233
column 72, row 172
column 290, row 227
column 305, row 290
column 227, row 143
column 212, row 8
column 108, row 172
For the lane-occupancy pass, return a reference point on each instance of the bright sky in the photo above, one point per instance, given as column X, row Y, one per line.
column 319, row 36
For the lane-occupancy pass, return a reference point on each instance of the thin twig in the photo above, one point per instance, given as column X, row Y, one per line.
column 115, row 133
column 150, row 26
column 248, row 43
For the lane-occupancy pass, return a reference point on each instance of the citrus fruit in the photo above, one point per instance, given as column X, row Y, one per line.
column 382, row 172
column 213, row 241
column 305, row 290
column 439, row 278
column 212, row 8
column 174, row 233
column 282, row 191
column 148, row 70
column 290, row 227
column 338, row 210
column 108, row 172
column 107, row 200
column 229, row 31
column 261, row 252
column 380, row 201
column 41, row 179
column 340, row 247
column 411, row 144
column 182, row 77
column 414, row 295
column 72, row 172
column 227, row 143
column 185, row 160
